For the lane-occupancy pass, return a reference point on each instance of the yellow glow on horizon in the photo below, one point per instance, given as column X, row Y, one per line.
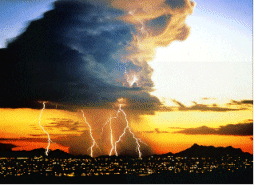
column 166, row 142
column 24, row 122
column 18, row 123
column 191, row 119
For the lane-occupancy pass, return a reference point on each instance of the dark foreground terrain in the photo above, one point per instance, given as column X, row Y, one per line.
column 195, row 165
column 240, row 177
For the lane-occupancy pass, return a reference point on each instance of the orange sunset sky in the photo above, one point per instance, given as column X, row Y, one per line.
column 164, row 131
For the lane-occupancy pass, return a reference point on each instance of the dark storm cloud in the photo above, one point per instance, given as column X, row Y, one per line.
column 204, row 107
column 72, row 56
column 240, row 129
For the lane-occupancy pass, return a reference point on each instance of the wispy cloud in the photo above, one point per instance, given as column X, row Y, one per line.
column 65, row 124
column 156, row 130
column 242, row 102
column 240, row 129
column 203, row 107
column 208, row 98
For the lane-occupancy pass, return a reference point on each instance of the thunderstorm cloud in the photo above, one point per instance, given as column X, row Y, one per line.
column 91, row 53
column 87, row 54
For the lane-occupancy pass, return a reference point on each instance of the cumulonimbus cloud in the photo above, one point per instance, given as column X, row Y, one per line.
column 91, row 53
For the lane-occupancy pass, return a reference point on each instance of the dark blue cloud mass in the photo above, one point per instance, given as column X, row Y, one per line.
column 72, row 55
column 85, row 53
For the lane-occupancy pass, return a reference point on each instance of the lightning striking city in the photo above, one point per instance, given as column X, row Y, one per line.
column 131, row 80
column 49, row 140
column 136, row 39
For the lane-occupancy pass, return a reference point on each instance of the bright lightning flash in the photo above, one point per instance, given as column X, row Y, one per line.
column 126, row 129
column 134, row 80
column 111, row 138
column 131, row 78
column 91, row 135
column 49, row 140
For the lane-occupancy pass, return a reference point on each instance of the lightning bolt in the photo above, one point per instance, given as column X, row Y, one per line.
column 91, row 135
column 126, row 129
column 49, row 140
column 111, row 138
column 124, row 132
column 111, row 133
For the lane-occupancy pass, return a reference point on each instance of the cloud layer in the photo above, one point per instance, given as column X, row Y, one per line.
column 240, row 129
column 213, row 107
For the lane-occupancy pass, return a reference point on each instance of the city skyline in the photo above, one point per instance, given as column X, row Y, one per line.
column 169, row 73
column 228, row 165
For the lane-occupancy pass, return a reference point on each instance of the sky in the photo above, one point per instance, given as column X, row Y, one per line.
column 171, row 73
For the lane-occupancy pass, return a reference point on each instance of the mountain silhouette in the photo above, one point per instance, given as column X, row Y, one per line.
column 6, row 147
column 210, row 151
column 36, row 152
column 194, row 151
